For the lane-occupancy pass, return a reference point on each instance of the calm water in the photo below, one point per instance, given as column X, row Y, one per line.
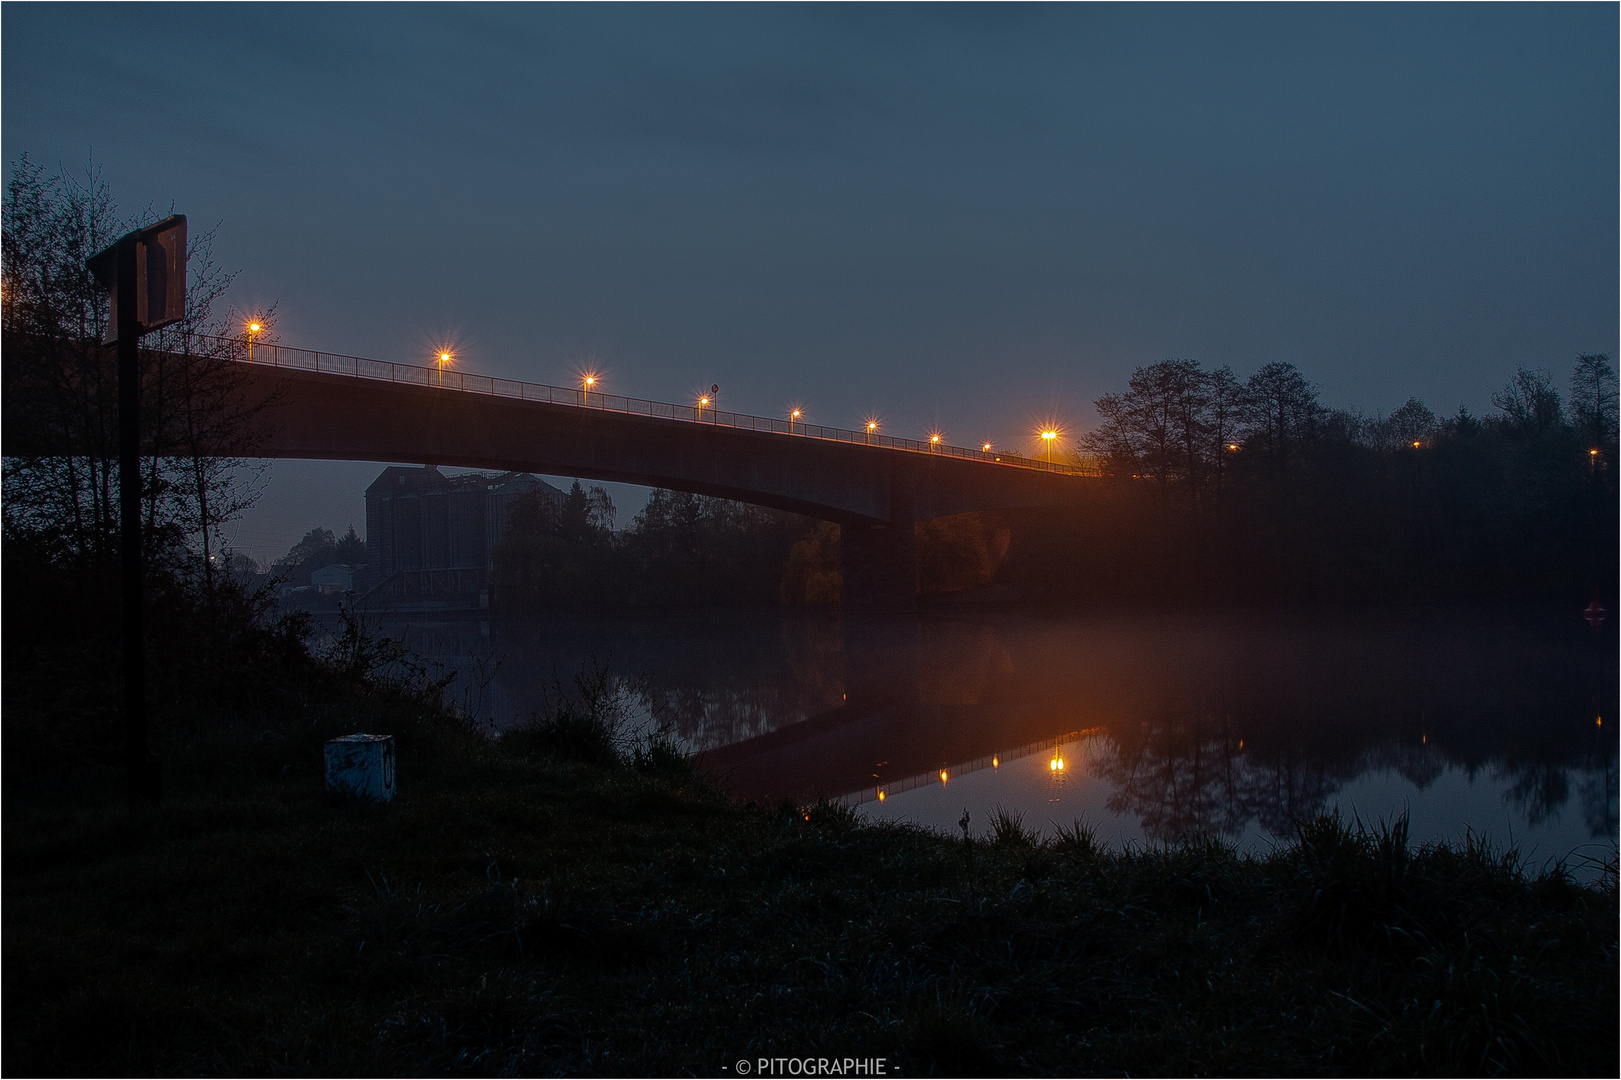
column 1148, row 727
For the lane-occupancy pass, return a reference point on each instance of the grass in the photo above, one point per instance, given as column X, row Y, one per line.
column 557, row 902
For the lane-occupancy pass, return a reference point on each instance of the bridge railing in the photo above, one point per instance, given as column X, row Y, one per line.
column 282, row 356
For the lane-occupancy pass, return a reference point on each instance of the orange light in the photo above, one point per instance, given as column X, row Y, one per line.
column 796, row 414
column 444, row 358
column 986, row 447
column 1049, row 434
column 1417, row 444
column 1599, row 722
column 1232, row 446
column 1241, row 744
column 703, row 401
column 1592, row 453
column 1053, row 764
column 995, row 763
column 253, row 328
column 943, row 776
column 872, row 425
column 881, row 795
column 934, row 438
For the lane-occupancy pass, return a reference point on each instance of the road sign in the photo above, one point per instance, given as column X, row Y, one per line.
column 145, row 273
column 160, row 277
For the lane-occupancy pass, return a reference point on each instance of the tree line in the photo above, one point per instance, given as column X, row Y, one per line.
column 1220, row 489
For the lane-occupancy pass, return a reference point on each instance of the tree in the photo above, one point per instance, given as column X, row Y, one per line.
column 1156, row 427
column 351, row 548
column 318, row 548
column 1224, row 404
column 60, row 390
column 1593, row 400
column 1412, row 424
column 1529, row 402
column 1280, row 414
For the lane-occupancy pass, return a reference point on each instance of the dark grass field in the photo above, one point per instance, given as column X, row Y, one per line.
column 547, row 905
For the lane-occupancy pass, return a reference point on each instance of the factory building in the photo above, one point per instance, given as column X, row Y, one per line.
column 432, row 537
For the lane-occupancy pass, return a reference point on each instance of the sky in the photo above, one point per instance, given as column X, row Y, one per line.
column 964, row 218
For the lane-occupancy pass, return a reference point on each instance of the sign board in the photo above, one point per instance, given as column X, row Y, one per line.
column 160, row 277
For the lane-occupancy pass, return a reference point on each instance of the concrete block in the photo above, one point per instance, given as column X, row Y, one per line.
column 361, row 767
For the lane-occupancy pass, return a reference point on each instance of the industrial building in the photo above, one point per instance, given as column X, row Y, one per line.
column 432, row 537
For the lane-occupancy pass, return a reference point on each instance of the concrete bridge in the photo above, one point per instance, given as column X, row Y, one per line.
column 344, row 408
column 324, row 406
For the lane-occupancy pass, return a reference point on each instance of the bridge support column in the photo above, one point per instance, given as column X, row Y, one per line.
column 878, row 566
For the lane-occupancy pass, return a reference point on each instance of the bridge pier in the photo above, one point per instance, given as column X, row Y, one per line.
column 878, row 568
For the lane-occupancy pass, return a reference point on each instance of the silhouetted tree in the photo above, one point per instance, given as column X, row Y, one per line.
column 1529, row 402
column 1593, row 400
column 60, row 388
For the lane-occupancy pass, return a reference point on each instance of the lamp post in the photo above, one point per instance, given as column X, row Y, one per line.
column 872, row 426
column 253, row 328
column 444, row 359
column 587, row 381
column 1049, row 437
column 792, row 416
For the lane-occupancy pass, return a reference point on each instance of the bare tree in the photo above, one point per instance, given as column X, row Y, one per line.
column 60, row 388
column 1593, row 400
column 1281, row 413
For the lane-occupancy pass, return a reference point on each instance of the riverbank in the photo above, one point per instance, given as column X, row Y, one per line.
column 544, row 904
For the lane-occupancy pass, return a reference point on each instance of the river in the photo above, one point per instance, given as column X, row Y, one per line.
column 1146, row 726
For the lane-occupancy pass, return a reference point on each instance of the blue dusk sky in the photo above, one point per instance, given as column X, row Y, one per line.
column 958, row 217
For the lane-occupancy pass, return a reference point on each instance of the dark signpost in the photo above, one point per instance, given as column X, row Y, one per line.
column 146, row 273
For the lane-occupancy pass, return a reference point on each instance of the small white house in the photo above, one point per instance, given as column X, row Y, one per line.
column 336, row 578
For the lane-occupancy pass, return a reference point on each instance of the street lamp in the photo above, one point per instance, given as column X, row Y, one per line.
column 444, row 359
column 1048, row 437
column 253, row 328
column 872, row 426
column 792, row 416
column 986, row 448
column 934, row 441
column 588, row 383
column 703, row 402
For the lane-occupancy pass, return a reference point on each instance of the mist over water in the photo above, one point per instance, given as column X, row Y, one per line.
column 1147, row 726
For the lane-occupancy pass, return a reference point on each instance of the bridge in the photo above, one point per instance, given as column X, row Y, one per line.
column 327, row 406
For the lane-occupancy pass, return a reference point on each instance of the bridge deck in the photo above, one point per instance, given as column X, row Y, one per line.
column 310, row 360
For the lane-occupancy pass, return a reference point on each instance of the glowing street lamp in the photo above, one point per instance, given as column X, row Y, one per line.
column 253, row 328
column 872, row 426
column 986, row 448
column 934, row 441
column 444, row 360
column 1049, row 437
column 792, row 416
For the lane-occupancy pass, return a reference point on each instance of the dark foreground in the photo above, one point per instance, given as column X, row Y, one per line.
column 542, row 905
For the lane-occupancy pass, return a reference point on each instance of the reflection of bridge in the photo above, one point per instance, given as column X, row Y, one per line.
column 332, row 407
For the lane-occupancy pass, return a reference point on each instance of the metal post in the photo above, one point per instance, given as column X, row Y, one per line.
column 142, row 769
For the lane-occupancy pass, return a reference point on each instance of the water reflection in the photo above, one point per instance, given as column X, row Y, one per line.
column 1233, row 725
